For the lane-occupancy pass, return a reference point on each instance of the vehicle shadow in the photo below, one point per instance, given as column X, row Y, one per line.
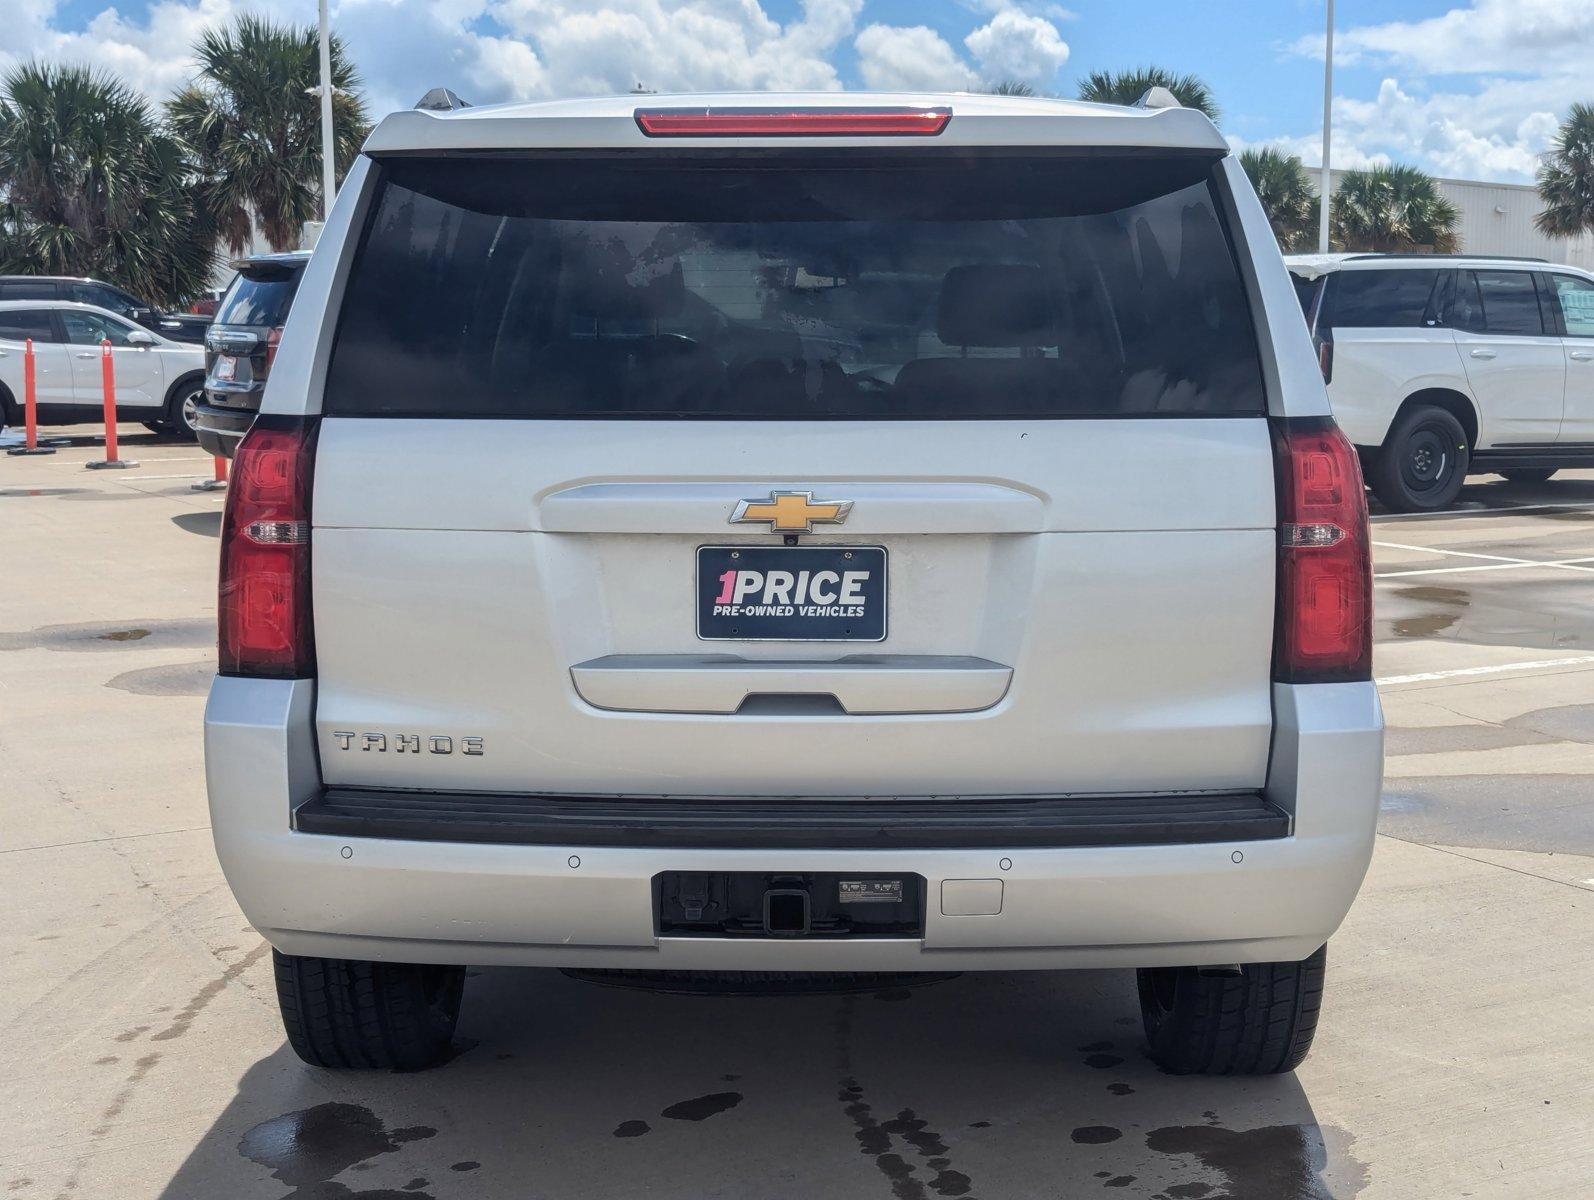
column 989, row 1085
column 207, row 524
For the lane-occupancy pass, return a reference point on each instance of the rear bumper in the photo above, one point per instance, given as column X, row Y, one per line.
column 219, row 430
column 589, row 905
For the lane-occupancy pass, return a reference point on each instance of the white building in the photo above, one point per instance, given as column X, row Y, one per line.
column 1497, row 218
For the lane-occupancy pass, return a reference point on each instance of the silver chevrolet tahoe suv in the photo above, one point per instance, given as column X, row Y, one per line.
column 796, row 534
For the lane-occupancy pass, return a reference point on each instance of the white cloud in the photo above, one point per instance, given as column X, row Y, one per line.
column 151, row 55
column 486, row 50
column 1506, row 36
column 1015, row 45
column 697, row 45
column 1499, row 132
column 1506, row 70
column 911, row 58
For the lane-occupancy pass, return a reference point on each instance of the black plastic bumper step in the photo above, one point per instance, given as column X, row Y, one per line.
column 792, row 822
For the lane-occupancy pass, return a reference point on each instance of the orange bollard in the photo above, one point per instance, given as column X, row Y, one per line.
column 30, row 405
column 218, row 477
column 108, row 387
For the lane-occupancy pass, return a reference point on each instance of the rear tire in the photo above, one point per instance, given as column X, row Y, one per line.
column 181, row 411
column 1423, row 462
column 345, row 1013
column 1259, row 1022
column 1528, row 474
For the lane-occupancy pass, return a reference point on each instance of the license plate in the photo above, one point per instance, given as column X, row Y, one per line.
column 791, row 593
column 226, row 368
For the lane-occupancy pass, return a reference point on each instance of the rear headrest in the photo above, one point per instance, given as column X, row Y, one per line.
column 614, row 288
column 996, row 304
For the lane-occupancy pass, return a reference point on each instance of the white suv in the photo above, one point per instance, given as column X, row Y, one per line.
column 1439, row 367
column 158, row 381
column 828, row 533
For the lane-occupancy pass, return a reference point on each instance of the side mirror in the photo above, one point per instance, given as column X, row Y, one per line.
column 142, row 339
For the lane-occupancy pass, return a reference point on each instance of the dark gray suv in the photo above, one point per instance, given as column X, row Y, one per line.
column 180, row 327
column 241, row 343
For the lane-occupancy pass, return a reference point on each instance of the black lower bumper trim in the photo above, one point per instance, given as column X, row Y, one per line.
column 219, row 430
column 788, row 823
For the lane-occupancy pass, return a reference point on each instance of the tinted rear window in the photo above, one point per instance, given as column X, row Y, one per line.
column 1383, row 299
column 777, row 287
column 20, row 324
column 259, row 296
column 29, row 289
column 1510, row 303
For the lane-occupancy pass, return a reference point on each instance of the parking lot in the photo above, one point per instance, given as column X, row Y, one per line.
column 144, row 1056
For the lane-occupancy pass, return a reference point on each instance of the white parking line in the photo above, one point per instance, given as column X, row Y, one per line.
column 1503, row 562
column 1468, row 570
column 1476, row 512
column 1426, row 676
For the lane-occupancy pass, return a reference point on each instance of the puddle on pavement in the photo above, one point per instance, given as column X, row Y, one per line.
column 1440, row 739
column 1547, row 614
column 1275, row 1160
column 307, row 1148
column 1551, row 814
column 194, row 633
column 178, row 679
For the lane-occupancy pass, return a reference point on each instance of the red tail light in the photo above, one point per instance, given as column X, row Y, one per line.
column 263, row 608
column 272, row 339
column 1323, row 630
column 792, row 122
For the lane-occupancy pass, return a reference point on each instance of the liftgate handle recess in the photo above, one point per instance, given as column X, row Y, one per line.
column 30, row 405
column 108, row 385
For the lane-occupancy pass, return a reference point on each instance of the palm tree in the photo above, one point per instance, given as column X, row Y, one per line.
column 1393, row 209
column 93, row 186
column 1286, row 193
column 1566, row 177
column 1125, row 87
column 1009, row 87
column 253, row 121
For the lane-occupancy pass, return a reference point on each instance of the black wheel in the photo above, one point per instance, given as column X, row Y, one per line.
column 346, row 1013
column 1259, row 1022
column 182, row 410
column 1423, row 462
column 1528, row 474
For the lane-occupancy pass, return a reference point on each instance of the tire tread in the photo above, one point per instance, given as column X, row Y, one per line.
column 351, row 1014
column 1260, row 1022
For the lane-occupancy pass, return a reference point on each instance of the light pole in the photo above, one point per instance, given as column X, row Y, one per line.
column 1328, row 121
column 328, row 176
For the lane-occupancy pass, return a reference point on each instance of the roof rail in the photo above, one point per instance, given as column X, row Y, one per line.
column 441, row 100
column 1158, row 97
column 1420, row 254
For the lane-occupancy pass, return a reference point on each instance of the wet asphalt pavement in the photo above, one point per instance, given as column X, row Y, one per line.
column 143, row 1055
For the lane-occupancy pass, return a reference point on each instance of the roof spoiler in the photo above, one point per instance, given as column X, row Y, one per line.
column 441, row 100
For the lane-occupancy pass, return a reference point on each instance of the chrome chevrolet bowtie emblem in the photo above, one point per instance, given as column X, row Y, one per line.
column 791, row 512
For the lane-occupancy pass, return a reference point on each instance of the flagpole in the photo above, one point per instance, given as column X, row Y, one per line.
column 328, row 156
column 1328, row 118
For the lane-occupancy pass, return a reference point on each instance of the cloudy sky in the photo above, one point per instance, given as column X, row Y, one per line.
column 1466, row 88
